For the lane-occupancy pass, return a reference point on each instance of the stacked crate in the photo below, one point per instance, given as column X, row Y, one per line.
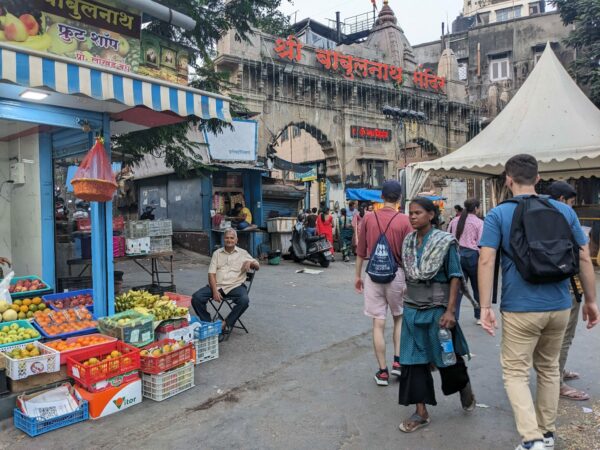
column 161, row 236
column 149, row 236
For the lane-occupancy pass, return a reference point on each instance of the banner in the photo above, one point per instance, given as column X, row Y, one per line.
column 95, row 31
column 237, row 144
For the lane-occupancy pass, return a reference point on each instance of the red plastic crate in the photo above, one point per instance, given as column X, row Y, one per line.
column 183, row 301
column 86, row 224
column 88, row 376
column 172, row 325
column 158, row 364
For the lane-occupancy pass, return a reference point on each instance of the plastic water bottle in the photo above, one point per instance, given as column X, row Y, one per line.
column 448, row 355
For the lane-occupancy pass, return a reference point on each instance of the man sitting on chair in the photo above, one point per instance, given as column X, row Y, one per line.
column 226, row 277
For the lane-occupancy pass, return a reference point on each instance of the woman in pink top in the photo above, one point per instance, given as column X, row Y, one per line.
column 468, row 228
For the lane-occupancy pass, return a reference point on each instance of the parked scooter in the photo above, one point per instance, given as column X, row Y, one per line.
column 311, row 248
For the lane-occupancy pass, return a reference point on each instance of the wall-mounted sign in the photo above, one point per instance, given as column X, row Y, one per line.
column 371, row 134
column 311, row 175
column 95, row 31
column 352, row 67
column 237, row 144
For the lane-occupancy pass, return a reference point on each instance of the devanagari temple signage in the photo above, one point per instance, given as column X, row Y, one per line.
column 370, row 134
column 352, row 67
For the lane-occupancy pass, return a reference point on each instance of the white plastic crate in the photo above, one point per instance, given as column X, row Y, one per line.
column 135, row 229
column 163, row 227
column 281, row 242
column 19, row 369
column 206, row 349
column 161, row 244
column 281, row 224
column 167, row 384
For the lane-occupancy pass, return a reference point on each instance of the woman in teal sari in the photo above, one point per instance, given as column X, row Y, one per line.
column 433, row 274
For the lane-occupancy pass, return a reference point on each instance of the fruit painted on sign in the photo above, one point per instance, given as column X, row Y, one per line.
column 59, row 46
column 14, row 29
column 30, row 23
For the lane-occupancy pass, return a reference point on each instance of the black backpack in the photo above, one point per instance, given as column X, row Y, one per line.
column 382, row 266
column 541, row 241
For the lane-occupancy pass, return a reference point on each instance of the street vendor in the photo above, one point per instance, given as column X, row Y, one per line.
column 226, row 277
column 242, row 215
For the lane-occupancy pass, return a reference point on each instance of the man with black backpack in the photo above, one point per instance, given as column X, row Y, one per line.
column 541, row 245
column 380, row 241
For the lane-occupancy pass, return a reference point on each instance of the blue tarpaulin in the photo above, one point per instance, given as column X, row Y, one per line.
column 364, row 195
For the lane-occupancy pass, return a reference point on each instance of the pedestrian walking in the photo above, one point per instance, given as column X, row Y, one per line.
column 380, row 240
column 536, row 237
column 433, row 277
column 356, row 225
column 346, row 234
column 467, row 228
column 565, row 193
column 325, row 225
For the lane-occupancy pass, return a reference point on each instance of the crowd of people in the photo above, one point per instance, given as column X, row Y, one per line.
column 420, row 273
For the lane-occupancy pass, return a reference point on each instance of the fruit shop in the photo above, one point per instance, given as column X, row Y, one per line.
column 73, row 74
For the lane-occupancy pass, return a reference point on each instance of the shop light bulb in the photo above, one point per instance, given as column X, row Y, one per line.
column 34, row 95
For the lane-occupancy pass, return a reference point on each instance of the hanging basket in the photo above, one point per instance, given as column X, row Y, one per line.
column 94, row 190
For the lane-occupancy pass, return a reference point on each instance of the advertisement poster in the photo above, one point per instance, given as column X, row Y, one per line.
column 237, row 144
column 164, row 59
column 100, row 32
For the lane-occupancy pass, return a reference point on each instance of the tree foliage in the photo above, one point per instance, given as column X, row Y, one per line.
column 214, row 18
column 584, row 17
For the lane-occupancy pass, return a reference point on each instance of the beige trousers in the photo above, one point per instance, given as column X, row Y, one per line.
column 569, row 335
column 533, row 339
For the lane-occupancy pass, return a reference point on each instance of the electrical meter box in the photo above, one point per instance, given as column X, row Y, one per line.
column 17, row 172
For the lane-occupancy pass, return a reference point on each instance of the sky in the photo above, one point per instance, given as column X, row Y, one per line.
column 421, row 20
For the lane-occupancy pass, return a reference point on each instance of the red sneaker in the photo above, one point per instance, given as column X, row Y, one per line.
column 382, row 377
column 396, row 369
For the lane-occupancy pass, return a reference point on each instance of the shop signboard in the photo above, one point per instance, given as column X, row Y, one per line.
column 238, row 143
column 310, row 175
column 370, row 134
column 105, row 33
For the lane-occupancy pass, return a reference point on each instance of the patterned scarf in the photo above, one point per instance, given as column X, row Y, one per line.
column 432, row 258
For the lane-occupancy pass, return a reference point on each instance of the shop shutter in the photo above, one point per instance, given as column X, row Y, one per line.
column 153, row 192
column 285, row 207
column 185, row 204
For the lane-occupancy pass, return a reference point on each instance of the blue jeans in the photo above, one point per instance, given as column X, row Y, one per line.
column 311, row 231
column 468, row 261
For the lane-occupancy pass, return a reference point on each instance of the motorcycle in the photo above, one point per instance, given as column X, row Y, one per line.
column 316, row 249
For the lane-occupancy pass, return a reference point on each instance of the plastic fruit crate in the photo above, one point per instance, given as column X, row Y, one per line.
column 86, row 224
column 102, row 347
column 183, row 301
column 163, row 227
column 52, row 299
column 136, row 229
column 207, row 329
column 88, row 376
column 167, row 384
column 34, row 426
column 161, row 244
column 18, row 369
column 157, row 364
column 67, row 334
column 138, row 331
column 206, row 349
column 21, row 324
column 29, row 294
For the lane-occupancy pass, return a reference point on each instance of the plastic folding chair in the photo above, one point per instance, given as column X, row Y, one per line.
column 218, row 305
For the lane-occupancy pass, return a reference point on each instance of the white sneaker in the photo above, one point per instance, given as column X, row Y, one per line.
column 537, row 445
column 478, row 322
column 549, row 442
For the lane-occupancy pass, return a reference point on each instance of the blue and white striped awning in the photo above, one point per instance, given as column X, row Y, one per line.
column 36, row 71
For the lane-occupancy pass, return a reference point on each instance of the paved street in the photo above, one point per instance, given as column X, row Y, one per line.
column 303, row 379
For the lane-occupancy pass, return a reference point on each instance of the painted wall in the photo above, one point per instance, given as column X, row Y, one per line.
column 25, row 217
column 5, row 190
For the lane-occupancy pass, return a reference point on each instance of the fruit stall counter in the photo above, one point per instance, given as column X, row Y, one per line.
column 158, row 265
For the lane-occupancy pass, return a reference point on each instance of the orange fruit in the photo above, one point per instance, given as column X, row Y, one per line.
column 24, row 309
column 36, row 301
column 26, row 302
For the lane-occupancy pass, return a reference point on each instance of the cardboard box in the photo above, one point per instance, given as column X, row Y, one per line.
column 112, row 400
column 186, row 334
column 38, row 381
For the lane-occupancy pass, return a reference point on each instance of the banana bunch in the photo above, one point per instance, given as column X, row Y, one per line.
column 161, row 307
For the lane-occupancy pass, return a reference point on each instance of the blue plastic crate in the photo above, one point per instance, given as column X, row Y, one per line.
column 51, row 298
column 207, row 329
column 35, row 426
column 21, row 324
column 30, row 294
column 64, row 335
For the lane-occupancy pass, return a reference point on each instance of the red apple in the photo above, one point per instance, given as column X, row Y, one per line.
column 31, row 24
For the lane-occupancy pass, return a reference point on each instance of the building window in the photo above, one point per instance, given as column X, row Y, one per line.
column 502, row 15
column 463, row 71
column 285, row 135
column 375, row 173
column 536, row 57
column 534, row 9
column 483, row 18
column 499, row 69
column 295, row 132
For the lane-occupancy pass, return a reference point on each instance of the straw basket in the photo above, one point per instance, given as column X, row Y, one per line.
column 94, row 190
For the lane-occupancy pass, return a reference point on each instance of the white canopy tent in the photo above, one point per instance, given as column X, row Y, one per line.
column 549, row 117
